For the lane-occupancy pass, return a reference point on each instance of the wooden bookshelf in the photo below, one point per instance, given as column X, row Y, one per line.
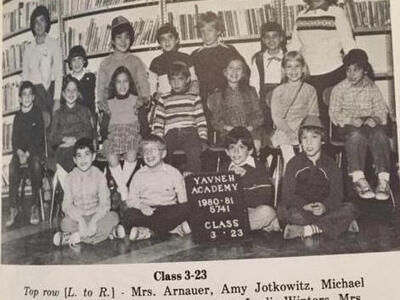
column 7, row 152
column 22, row 30
column 13, row 73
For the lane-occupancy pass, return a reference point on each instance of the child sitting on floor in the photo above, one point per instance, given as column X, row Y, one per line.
column 357, row 107
column 312, row 195
column 157, row 201
column 86, row 201
column 255, row 179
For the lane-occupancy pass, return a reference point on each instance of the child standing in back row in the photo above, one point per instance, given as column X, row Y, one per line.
column 211, row 59
column 266, row 73
column 291, row 102
column 160, row 67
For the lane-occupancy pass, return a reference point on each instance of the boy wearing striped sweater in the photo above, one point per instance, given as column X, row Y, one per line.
column 179, row 118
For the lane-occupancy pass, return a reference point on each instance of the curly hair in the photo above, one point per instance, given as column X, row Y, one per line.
column 37, row 12
column 112, row 92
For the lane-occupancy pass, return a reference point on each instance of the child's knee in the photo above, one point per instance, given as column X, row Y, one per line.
column 68, row 225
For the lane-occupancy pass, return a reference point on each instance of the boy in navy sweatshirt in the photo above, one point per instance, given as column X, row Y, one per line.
column 312, row 195
column 255, row 179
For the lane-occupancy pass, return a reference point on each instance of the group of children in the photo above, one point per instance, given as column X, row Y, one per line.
column 196, row 98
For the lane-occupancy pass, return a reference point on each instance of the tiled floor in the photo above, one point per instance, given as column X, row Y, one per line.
column 379, row 231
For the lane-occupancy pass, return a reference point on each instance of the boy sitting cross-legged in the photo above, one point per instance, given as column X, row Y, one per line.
column 157, row 201
column 255, row 180
column 312, row 195
column 86, row 201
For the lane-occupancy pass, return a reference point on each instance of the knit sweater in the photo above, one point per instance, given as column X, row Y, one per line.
column 320, row 35
column 70, row 122
column 124, row 111
column 86, row 193
column 256, row 183
column 28, row 132
column 233, row 107
column 42, row 64
column 306, row 183
column 135, row 66
column 209, row 63
column 179, row 111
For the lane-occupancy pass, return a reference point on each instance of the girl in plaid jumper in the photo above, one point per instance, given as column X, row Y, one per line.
column 124, row 129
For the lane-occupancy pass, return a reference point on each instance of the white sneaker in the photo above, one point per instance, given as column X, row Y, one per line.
column 182, row 229
column 140, row 233
column 382, row 191
column 66, row 238
column 118, row 232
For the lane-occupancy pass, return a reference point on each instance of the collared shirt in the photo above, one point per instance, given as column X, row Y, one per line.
column 272, row 70
column 157, row 186
column 86, row 192
column 42, row 64
column 321, row 34
column 249, row 161
column 365, row 100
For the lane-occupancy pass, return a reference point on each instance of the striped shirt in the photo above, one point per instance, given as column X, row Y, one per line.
column 348, row 101
column 179, row 111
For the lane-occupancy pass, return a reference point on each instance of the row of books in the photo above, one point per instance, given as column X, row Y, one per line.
column 12, row 58
column 7, row 136
column 368, row 14
column 19, row 18
column 71, row 7
column 10, row 97
column 97, row 38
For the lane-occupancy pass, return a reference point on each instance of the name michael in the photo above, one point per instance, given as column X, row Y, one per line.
column 342, row 283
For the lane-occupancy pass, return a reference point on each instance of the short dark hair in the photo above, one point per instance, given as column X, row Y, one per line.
column 241, row 134
column 316, row 129
column 41, row 10
column 179, row 68
column 77, row 51
column 82, row 143
column 26, row 85
column 152, row 138
column 167, row 28
column 210, row 17
column 123, row 28
column 112, row 91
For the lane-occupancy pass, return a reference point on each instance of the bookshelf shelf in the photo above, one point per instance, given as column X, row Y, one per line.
column 7, row 152
column 112, row 8
column 21, row 31
column 13, row 73
column 10, row 113
column 6, row 1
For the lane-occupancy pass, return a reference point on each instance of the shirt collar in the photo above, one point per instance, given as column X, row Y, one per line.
column 249, row 161
column 324, row 6
column 267, row 55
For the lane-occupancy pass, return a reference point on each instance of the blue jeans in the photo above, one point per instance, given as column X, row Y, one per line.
column 358, row 139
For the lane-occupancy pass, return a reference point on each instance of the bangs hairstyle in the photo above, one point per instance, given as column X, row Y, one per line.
column 179, row 68
column 152, row 138
column 67, row 79
column 82, row 143
column 296, row 56
column 120, row 29
column 167, row 28
column 37, row 12
column 244, row 81
column 208, row 18
column 26, row 85
column 330, row 2
column 313, row 129
column 112, row 91
column 239, row 134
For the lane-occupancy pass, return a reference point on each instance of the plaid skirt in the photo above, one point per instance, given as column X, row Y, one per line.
column 122, row 138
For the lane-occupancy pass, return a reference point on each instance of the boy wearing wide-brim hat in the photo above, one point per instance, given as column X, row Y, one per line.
column 312, row 196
